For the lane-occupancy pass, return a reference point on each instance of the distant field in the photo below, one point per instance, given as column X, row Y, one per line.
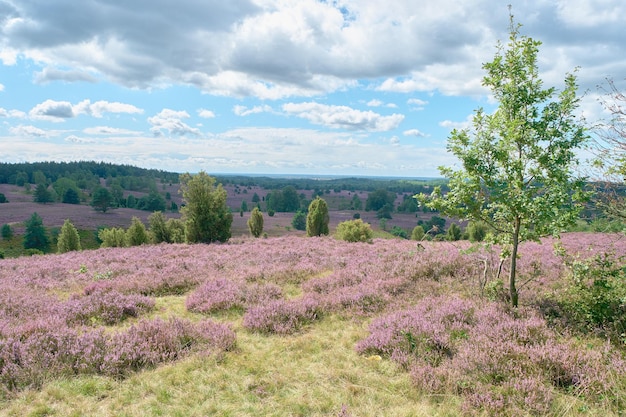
column 21, row 207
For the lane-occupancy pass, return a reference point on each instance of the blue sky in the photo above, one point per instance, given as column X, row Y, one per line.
column 354, row 87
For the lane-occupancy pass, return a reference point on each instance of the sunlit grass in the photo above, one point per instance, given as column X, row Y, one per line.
column 313, row 373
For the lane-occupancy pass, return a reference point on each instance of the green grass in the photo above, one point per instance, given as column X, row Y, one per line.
column 313, row 373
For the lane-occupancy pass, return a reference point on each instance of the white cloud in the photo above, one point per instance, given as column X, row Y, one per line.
column 76, row 139
column 1, row 87
column 58, row 111
column 275, row 49
column 417, row 102
column 15, row 114
column 106, row 130
column 343, row 117
column 466, row 124
column 54, row 111
column 375, row 103
column 206, row 114
column 414, row 132
column 170, row 121
column 245, row 111
column 29, row 131
column 52, row 74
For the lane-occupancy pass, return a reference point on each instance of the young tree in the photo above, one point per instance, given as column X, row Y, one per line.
column 114, row 237
column 136, row 234
column 102, row 200
column 454, row 233
column 299, row 220
column 158, row 228
column 7, row 231
column 70, row 196
column 516, row 170
column 255, row 222
column 318, row 218
column 417, row 233
column 206, row 215
column 42, row 194
column 69, row 240
column 35, row 236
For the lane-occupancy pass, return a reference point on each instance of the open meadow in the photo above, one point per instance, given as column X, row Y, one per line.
column 294, row 326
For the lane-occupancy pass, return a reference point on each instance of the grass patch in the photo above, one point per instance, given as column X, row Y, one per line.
column 313, row 373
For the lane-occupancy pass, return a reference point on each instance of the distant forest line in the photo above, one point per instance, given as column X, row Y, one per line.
column 87, row 174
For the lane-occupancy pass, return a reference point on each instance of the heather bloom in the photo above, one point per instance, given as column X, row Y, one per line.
column 499, row 362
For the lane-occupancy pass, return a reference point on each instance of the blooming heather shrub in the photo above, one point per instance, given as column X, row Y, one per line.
column 106, row 307
column 281, row 316
column 502, row 364
column 49, row 350
column 215, row 295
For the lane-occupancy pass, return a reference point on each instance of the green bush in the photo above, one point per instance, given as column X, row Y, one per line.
column 399, row 232
column 68, row 240
column 299, row 221
column 114, row 237
column 354, row 231
column 136, row 234
column 255, row 222
column 454, row 233
column 417, row 233
column 595, row 298
column 477, row 231
column 7, row 232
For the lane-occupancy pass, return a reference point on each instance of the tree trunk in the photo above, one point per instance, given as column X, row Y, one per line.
column 512, row 289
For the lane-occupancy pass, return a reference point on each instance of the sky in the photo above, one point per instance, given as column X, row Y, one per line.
column 315, row 87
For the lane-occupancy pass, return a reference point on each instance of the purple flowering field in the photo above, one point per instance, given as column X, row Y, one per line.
column 418, row 309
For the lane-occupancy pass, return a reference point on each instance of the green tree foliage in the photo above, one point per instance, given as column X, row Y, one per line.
column 454, row 233
column 417, row 233
column 408, row 205
column 517, row 163
column 42, row 194
column 3, row 198
column 61, row 185
column 317, row 219
column 71, row 196
column 299, row 220
column 159, row 231
column 255, row 222
column 154, row 201
column 7, row 231
column 399, row 232
column 114, row 237
column 380, row 199
column 205, row 214
column 477, row 231
column 102, row 200
column 137, row 234
column 285, row 200
column 354, row 231
column 244, row 206
column 256, row 198
column 68, row 240
column 356, row 203
column 176, row 230
column 35, row 236
column 433, row 226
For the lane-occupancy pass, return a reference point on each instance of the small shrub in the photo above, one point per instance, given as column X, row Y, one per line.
column 417, row 233
column 399, row 232
column 7, row 231
column 136, row 234
column 477, row 231
column 299, row 221
column 255, row 222
column 595, row 298
column 281, row 316
column 114, row 237
column 354, row 231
